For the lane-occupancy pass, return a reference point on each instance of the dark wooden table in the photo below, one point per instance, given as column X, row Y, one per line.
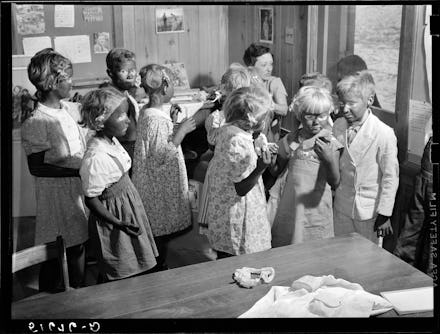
column 205, row 290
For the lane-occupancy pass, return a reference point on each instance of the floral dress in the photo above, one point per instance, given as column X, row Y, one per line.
column 59, row 200
column 236, row 224
column 159, row 173
column 305, row 210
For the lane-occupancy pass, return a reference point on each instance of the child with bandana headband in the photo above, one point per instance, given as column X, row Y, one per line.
column 54, row 145
column 118, row 222
column 159, row 170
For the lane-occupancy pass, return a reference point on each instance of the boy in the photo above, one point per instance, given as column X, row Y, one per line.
column 121, row 68
column 369, row 167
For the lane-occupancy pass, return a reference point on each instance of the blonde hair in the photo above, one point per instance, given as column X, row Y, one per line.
column 312, row 100
column 360, row 84
column 234, row 78
column 245, row 107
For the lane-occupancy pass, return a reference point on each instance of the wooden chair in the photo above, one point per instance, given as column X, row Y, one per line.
column 41, row 253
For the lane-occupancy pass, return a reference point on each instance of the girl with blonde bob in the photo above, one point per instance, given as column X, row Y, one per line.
column 311, row 155
column 236, row 203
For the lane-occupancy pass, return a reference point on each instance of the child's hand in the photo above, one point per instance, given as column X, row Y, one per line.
column 383, row 226
column 174, row 111
column 131, row 230
column 323, row 150
column 187, row 125
column 264, row 160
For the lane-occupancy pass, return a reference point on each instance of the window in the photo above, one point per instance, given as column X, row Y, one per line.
column 376, row 41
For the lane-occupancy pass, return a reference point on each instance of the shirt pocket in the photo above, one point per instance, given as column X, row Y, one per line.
column 368, row 195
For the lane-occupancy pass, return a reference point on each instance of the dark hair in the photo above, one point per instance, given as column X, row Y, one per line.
column 44, row 69
column 116, row 57
column 253, row 52
column 349, row 65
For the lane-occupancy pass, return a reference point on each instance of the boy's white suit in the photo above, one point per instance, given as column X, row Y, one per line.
column 369, row 170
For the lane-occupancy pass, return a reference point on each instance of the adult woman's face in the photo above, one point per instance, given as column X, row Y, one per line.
column 264, row 66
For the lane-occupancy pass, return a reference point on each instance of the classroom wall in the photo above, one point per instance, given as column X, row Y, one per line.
column 203, row 47
column 289, row 60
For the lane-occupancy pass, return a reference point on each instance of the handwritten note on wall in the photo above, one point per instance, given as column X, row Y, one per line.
column 31, row 45
column 64, row 16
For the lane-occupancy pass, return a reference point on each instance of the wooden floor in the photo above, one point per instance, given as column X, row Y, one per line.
column 189, row 248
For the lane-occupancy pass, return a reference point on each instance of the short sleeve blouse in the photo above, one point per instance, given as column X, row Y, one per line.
column 104, row 164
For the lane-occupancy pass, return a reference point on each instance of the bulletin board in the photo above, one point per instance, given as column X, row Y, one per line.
column 87, row 20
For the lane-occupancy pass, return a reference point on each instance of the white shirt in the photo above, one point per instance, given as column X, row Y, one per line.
column 68, row 118
column 103, row 164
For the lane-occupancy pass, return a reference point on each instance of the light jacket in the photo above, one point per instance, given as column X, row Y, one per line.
column 369, row 170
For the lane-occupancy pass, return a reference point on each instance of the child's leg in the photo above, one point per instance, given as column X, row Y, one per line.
column 76, row 263
column 162, row 248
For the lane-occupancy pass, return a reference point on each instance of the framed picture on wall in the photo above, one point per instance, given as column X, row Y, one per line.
column 169, row 20
column 266, row 25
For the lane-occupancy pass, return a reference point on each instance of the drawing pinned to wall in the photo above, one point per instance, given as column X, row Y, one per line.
column 169, row 20
column 64, row 16
column 289, row 35
column 178, row 75
column 266, row 25
column 76, row 48
column 101, row 42
column 31, row 45
column 30, row 19
column 92, row 14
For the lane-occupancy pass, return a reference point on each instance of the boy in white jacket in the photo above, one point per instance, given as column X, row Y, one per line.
column 369, row 167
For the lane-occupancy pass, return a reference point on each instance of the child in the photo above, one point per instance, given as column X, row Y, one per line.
column 369, row 167
column 235, row 77
column 236, row 209
column 118, row 222
column 309, row 79
column 121, row 68
column 312, row 154
column 159, row 170
column 54, row 145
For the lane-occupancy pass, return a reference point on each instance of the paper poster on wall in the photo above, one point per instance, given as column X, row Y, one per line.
column 101, row 42
column 30, row 19
column 76, row 48
column 179, row 75
column 64, row 16
column 289, row 35
column 31, row 45
column 92, row 14
column 420, row 113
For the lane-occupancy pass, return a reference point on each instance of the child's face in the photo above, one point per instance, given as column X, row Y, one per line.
column 124, row 77
column 264, row 66
column 63, row 84
column 314, row 123
column 354, row 107
column 117, row 124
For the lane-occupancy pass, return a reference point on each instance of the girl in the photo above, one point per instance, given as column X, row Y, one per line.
column 312, row 154
column 236, row 209
column 118, row 222
column 54, row 145
column 235, row 77
column 159, row 170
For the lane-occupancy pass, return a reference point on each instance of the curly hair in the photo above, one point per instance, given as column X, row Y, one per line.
column 45, row 69
column 253, row 52
column 118, row 56
column 154, row 78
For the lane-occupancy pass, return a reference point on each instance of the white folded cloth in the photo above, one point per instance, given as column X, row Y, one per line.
column 313, row 297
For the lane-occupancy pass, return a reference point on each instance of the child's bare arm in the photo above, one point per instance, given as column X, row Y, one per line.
column 37, row 167
column 98, row 209
column 245, row 185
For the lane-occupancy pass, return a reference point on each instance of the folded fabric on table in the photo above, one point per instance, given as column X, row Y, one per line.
column 313, row 297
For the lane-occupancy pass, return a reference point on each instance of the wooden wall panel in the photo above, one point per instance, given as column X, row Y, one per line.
column 202, row 47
